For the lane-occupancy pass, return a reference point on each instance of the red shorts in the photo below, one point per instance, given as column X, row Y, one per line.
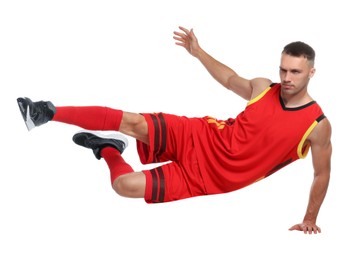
column 171, row 142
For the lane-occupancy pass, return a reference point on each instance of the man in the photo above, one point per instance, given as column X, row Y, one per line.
column 204, row 155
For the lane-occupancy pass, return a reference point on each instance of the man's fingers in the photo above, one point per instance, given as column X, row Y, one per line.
column 184, row 30
column 306, row 229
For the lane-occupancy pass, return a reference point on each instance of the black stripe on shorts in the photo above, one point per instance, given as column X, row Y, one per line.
column 159, row 125
column 158, row 185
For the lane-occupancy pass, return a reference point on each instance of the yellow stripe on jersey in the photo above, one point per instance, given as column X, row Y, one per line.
column 302, row 147
column 258, row 96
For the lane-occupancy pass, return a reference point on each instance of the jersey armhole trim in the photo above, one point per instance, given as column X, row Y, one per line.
column 258, row 97
column 303, row 148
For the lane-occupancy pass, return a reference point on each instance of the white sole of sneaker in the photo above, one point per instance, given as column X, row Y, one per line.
column 29, row 123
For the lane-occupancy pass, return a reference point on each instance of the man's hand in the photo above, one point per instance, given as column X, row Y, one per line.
column 188, row 40
column 307, row 228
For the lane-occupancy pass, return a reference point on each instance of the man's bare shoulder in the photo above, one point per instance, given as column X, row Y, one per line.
column 259, row 85
column 321, row 134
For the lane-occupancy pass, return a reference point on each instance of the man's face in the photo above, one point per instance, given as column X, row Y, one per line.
column 294, row 73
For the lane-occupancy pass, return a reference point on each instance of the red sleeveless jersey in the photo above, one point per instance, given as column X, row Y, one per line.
column 262, row 139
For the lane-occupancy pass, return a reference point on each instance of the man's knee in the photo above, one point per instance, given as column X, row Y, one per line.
column 135, row 125
column 130, row 185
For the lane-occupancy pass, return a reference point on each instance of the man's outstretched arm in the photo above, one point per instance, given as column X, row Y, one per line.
column 219, row 71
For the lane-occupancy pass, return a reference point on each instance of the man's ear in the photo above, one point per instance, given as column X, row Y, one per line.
column 312, row 72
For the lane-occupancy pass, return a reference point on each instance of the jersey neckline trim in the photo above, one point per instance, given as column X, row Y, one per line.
column 294, row 108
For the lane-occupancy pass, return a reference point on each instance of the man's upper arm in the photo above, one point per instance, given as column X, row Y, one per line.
column 321, row 147
column 247, row 89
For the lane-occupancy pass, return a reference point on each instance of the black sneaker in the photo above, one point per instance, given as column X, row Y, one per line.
column 35, row 113
column 97, row 141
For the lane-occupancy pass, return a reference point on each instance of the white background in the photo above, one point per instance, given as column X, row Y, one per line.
column 56, row 200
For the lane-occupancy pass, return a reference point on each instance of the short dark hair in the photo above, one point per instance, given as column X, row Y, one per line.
column 298, row 49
